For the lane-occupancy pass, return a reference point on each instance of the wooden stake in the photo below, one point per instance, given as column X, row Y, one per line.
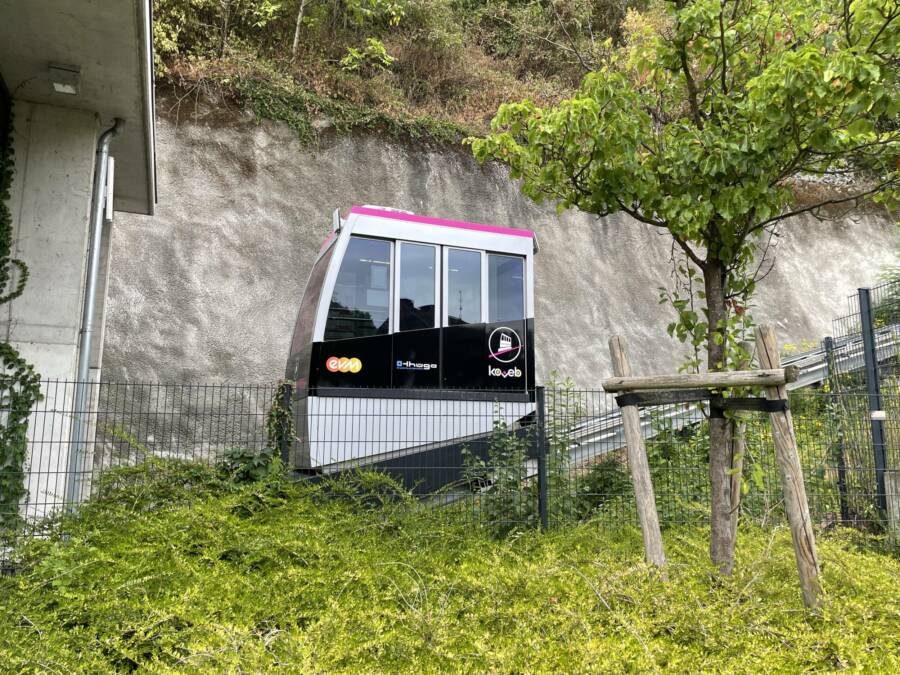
column 892, row 494
column 795, row 503
column 640, row 468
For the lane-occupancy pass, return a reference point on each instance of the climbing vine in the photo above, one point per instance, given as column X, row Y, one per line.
column 19, row 383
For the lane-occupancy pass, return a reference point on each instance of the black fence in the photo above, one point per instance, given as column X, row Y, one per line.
column 864, row 354
column 864, row 357
column 543, row 458
column 554, row 456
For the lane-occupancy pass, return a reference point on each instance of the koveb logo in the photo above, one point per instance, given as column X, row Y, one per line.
column 504, row 345
column 341, row 364
column 493, row 371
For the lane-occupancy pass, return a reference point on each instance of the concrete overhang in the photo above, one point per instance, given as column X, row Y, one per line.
column 110, row 42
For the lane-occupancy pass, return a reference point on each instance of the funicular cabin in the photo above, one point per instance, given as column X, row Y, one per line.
column 414, row 335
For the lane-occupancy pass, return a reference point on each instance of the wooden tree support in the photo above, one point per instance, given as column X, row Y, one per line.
column 795, row 503
column 662, row 390
column 639, row 466
column 725, row 380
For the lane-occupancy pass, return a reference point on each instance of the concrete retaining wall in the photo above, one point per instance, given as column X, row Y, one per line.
column 208, row 288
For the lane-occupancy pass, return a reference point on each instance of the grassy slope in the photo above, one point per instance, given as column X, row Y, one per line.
column 246, row 579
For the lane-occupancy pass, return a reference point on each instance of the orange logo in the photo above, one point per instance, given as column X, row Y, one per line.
column 342, row 364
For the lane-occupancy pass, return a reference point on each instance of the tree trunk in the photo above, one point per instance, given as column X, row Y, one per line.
column 295, row 48
column 737, row 442
column 223, row 38
column 722, row 537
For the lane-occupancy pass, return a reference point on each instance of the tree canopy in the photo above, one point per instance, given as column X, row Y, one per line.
column 701, row 124
column 701, row 121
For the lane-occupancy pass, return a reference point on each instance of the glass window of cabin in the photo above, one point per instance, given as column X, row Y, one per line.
column 360, row 305
column 306, row 317
column 417, row 286
column 463, row 287
column 506, row 288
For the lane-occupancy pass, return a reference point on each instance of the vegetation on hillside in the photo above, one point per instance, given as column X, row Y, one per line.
column 175, row 569
column 435, row 65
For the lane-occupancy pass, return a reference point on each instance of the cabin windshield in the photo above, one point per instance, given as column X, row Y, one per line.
column 360, row 305
column 306, row 317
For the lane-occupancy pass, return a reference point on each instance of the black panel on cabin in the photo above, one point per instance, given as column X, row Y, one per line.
column 333, row 366
column 494, row 357
column 464, row 362
column 506, row 355
column 416, row 359
column 529, row 348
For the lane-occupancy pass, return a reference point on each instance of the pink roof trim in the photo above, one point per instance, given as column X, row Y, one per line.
column 426, row 220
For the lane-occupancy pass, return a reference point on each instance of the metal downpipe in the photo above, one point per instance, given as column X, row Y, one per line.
column 79, row 418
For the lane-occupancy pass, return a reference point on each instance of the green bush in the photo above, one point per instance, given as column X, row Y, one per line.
column 606, row 481
column 367, row 489
column 506, row 500
column 243, row 465
column 275, row 575
column 368, row 60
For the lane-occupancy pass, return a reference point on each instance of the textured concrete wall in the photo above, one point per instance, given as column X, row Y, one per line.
column 207, row 290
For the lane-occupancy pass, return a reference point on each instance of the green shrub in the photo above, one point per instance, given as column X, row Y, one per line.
column 605, row 481
column 367, row 489
column 506, row 500
column 275, row 575
column 243, row 465
column 368, row 60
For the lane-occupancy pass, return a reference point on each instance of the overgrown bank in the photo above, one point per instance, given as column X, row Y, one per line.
column 438, row 67
column 191, row 573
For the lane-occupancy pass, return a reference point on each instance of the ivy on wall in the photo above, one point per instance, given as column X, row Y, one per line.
column 19, row 383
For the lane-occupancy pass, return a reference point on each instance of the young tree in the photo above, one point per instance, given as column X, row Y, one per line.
column 700, row 125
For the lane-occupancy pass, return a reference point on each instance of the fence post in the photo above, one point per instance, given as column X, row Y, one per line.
column 874, row 391
column 543, row 478
column 833, row 385
column 285, row 393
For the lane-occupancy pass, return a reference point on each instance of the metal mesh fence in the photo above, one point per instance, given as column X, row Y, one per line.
column 127, row 424
column 874, row 311
column 557, row 455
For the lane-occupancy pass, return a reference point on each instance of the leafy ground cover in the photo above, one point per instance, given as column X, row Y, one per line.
column 189, row 572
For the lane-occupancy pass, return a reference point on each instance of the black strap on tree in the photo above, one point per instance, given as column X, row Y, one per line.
column 647, row 398
column 718, row 405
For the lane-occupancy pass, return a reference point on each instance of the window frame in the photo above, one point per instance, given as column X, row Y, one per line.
column 397, row 253
column 445, row 290
column 524, row 262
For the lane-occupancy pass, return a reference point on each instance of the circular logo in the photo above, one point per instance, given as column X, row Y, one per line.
column 342, row 364
column 504, row 345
